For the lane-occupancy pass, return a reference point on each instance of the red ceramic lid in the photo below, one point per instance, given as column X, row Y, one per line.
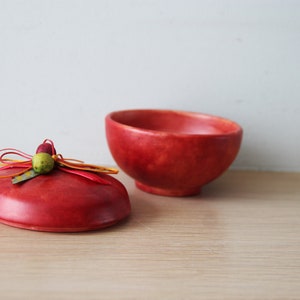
column 62, row 202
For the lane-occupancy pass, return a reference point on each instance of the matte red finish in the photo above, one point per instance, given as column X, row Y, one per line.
column 172, row 153
column 62, row 202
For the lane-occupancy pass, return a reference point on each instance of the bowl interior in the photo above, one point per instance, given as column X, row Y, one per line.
column 175, row 122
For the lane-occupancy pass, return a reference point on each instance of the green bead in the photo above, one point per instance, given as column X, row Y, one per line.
column 42, row 163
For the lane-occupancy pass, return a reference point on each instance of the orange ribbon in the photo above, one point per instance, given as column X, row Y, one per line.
column 68, row 165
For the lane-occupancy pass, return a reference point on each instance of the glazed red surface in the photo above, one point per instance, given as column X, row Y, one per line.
column 170, row 152
column 62, row 202
column 175, row 122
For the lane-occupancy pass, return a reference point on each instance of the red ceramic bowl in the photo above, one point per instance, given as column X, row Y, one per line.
column 172, row 153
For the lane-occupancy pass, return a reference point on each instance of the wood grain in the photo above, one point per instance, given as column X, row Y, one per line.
column 239, row 239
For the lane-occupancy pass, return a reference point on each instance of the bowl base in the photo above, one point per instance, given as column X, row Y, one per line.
column 168, row 192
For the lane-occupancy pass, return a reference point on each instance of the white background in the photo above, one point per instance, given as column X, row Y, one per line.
column 65, row 64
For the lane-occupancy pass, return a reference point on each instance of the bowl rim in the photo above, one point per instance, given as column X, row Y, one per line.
column 238, row 129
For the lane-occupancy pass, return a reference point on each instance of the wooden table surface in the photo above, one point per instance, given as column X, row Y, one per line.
column 238, row 239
